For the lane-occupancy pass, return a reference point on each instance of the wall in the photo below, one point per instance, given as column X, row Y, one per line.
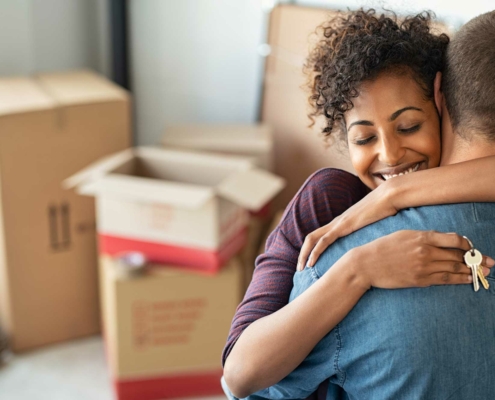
column 194, row 61
column 47, row 35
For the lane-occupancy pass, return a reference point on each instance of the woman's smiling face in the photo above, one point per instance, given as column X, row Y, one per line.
column 392, row 129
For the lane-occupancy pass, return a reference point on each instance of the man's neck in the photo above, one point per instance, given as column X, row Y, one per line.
column 460, row 149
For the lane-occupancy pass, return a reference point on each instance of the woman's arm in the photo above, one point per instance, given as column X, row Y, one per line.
column 456, row 183
column 326, row 194
column 273, row 346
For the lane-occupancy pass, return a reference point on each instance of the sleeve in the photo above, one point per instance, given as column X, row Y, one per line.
column 325, row 194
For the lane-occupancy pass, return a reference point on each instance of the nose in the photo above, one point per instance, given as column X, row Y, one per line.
column 391, row 150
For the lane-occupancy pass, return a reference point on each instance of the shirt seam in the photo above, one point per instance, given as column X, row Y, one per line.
column 337, row 356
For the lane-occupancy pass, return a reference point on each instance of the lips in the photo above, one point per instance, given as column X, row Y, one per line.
column 389, row 173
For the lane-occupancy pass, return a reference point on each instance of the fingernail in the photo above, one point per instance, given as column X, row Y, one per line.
column 490, row 261
column 469, row 278
column 298, row 268
column 486, row 271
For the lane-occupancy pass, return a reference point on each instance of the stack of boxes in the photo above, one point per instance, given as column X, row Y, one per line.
column 190, row 213
column 194, row 209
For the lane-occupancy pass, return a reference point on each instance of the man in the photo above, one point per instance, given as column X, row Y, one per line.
column 430, row 343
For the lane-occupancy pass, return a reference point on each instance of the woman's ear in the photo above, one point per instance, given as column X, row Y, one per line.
column 437, row 92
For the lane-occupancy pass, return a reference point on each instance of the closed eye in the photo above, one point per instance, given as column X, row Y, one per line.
column 412, row 129
column 362, row 142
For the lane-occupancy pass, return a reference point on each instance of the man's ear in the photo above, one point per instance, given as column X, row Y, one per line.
column 437, row 92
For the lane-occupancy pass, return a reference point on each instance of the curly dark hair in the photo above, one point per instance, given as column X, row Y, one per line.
column 356, row 47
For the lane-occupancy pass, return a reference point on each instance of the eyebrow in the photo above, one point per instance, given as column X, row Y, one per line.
column 399, row 112
column 361, row 122
column 393, row 117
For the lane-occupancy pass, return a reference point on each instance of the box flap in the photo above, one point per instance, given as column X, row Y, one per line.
column 98, row 169
column 221, row 137
column 186, row 156
column 19, row 95
column 80, row 87
column 148, row 190
column 251, row 189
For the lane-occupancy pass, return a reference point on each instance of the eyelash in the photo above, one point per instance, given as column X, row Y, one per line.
column 362, row 142
column 412, row 129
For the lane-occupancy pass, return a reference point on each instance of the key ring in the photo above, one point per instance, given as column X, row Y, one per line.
column 470, row 244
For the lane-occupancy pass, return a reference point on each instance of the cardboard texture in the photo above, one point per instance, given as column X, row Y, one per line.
column 165, row 330
column 249, row 140
column 51, row 126
column 298, row 150
column 177, row 207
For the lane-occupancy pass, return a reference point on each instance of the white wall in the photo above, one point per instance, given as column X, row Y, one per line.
column 47, row 35
column 194, row 61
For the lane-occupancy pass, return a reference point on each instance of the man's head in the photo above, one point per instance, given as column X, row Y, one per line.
column 468, row 85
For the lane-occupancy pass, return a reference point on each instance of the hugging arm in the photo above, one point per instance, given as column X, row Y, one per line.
column 264, row 327
column 469, row 181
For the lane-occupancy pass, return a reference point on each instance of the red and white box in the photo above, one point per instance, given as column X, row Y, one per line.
column 165, row 329
column 176, row 207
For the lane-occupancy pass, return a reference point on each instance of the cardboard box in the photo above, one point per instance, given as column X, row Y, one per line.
column 298, row 150
column 249, row 140
column 176, row 207
column 165, row 330
column 50, row 127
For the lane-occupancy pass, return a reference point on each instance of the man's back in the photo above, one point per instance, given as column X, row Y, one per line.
column 420, row 343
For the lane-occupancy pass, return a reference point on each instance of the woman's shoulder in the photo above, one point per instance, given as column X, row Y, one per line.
column 326, row 194
column 333, row 182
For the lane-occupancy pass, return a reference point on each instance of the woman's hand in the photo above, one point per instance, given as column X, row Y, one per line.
column 377, row 205
column 414, row 259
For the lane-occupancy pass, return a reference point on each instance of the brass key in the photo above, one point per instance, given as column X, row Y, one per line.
column 483, row 280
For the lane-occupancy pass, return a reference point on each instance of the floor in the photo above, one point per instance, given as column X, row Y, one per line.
column 69, row 371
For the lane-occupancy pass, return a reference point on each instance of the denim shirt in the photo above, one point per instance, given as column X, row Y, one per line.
column 417, row 343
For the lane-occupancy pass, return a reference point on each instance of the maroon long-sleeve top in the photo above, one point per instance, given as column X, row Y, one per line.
column 325, row 195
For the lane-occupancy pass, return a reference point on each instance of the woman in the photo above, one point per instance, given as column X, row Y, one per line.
column 374, row 83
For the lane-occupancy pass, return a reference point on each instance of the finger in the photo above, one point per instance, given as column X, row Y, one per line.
column 306, row 248
column 447, row 240
column 320, row 247
column 443, row 254
column 488, row 262
column 451, row 267
column 446, row 278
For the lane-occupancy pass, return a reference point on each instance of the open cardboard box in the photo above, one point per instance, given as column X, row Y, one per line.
column 255, row 140
column 177, row 207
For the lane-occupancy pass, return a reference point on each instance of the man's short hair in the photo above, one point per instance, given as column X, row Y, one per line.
column 469, row 77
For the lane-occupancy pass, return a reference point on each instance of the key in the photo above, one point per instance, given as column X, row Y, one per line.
column 483, row 280
column 473, row 259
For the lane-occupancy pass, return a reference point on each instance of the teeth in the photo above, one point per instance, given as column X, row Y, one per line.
column 407, row 171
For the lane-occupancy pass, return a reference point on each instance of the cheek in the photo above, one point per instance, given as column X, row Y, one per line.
column 361, row 160
column 429, row 144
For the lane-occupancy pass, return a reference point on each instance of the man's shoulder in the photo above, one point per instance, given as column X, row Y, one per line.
column 468, row 212
column 444, row 217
